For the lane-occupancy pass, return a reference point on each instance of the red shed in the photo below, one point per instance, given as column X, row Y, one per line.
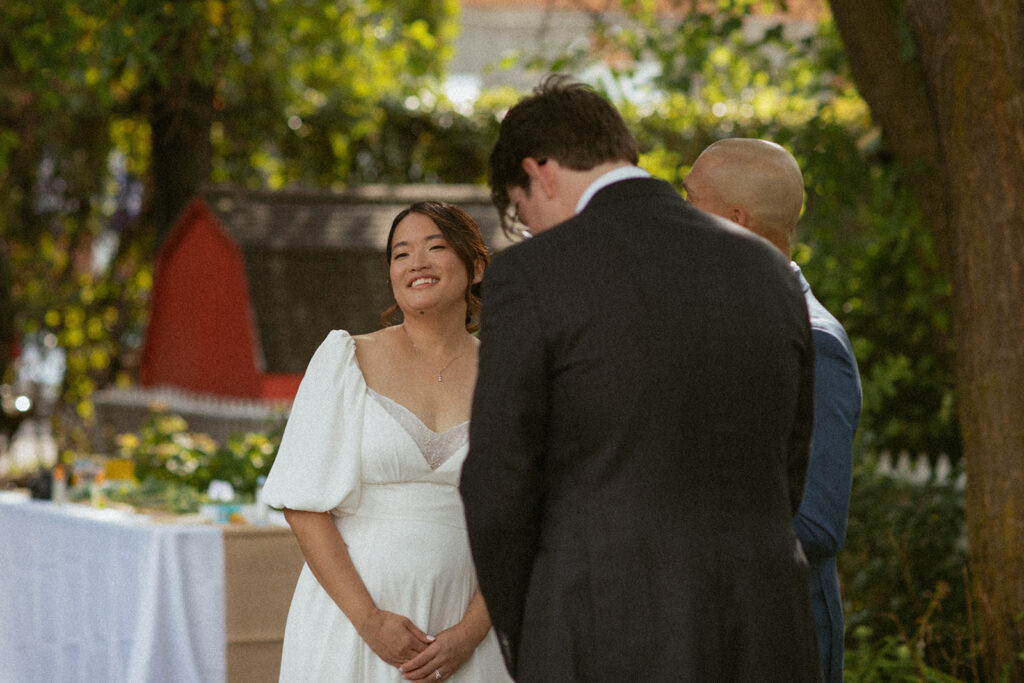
column 201, row 333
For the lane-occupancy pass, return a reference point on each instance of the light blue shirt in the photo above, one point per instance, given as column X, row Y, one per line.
column 613, row 176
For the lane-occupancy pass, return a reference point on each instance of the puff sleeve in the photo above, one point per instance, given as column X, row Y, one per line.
column 317, row 467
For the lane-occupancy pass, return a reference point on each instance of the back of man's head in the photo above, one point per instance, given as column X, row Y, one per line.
column 562, row 120
column 756, row 183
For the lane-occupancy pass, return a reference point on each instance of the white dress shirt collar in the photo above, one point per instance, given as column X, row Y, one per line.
column 800, row 276
column 613, row 176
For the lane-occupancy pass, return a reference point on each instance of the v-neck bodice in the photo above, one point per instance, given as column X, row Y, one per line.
column 436, row 447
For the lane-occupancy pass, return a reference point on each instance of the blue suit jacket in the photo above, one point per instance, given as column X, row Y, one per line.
column 820, row 522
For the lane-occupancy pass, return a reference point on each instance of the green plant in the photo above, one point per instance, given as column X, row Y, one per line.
column 151, row 494
column 887, row 659
column 164, row 450
column 905, row 583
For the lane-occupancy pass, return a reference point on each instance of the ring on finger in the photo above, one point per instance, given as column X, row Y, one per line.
column 437, row 674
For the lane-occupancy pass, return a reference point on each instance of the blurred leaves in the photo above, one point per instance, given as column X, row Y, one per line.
column 153, row 494
column 903, row 571
column 165, row 450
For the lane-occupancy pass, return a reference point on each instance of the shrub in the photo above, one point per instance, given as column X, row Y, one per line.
column 905, row 580
column 164, row 450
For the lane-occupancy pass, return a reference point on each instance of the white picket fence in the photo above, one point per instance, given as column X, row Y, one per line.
column 919, row 469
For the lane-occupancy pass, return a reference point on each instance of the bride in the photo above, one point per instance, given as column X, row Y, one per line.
column 367, row 475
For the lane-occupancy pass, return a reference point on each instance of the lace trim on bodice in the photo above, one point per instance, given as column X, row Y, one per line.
column 436, row 447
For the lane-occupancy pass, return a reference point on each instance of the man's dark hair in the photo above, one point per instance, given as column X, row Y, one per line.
column 562, row 120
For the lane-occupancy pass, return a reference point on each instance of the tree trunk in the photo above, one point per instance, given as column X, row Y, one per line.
column 954, row 107
column 180, row 118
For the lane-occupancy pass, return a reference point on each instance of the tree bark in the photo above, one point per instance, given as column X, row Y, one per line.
column 953, row 107
column 180, row 118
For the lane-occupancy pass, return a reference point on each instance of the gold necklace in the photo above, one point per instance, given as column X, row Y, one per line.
column 440, row 373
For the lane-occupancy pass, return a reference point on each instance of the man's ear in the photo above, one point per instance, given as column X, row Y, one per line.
column 741, row 216
column 542, row 175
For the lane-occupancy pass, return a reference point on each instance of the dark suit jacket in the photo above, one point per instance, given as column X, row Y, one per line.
column 821, row 520
column 638, row 446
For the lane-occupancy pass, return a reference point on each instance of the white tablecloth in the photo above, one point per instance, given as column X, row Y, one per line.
column 106, row 596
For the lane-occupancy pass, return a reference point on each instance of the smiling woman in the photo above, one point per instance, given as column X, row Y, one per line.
column 367, row 474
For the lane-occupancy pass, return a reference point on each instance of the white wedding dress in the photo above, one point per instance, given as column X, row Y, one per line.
column 392, row 486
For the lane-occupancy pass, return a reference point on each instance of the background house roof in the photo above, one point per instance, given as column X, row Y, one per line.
column 314, row 259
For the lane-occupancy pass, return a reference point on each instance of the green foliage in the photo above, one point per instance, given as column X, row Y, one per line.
column 293, row 83
column 871, row 260
column 93, row 316
column 903, row 572
column 887, row 659
column 164, row 450
column 428, row 143
column 311, row 76
column 158, row 495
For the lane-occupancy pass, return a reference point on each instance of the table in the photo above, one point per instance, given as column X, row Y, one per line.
column 261, row 566
column 107, row 595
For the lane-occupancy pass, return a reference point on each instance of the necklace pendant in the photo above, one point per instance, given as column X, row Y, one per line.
column 440, row 380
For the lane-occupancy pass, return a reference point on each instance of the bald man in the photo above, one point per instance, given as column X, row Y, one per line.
column 758, row 184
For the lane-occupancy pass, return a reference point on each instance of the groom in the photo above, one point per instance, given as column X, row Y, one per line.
column 640, row 426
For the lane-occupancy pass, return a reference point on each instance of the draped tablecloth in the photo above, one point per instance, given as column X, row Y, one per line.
column 103, row 595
